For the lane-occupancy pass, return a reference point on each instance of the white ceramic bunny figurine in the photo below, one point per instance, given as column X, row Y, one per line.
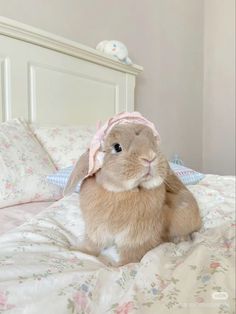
column 116, row 49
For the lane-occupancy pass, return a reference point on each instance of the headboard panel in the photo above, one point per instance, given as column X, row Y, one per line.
column 50, row 80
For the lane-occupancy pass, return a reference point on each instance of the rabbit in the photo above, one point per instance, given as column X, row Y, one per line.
column 134, row 200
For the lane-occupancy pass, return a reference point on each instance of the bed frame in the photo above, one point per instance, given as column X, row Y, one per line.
column 50, row 80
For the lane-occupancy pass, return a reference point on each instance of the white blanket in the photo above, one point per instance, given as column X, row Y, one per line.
column 14, row 216
column 40, row 274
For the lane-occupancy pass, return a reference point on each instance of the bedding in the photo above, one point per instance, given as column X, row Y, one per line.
column 40, row 273
column 14, row 216
column 64, row 144
column 61, row 177
column 24, row 166
column 186, row 175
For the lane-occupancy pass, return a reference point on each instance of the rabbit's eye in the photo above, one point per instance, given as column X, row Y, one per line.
column 114, row 45
column 117, row 147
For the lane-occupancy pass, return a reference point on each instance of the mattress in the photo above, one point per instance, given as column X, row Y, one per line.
column 40, row 273
column 14, row 216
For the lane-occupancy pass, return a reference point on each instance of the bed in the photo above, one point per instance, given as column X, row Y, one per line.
column 55, row 83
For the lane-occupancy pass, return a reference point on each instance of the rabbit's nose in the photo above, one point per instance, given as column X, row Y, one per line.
column 148, row 160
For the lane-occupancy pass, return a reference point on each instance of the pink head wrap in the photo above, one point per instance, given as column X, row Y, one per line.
column 95, row 154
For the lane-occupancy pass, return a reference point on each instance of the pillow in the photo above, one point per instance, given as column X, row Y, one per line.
column 186, row 175
column 24, row 165
column 61, row 177
column 64, row 144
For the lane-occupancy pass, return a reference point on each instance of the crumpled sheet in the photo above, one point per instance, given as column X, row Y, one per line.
column 14, row 216
column 40, row 274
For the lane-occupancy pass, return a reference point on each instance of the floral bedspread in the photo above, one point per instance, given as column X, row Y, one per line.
column 14, row 216
column 40, row 274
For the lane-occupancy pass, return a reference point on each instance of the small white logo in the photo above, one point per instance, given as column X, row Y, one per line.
column 222, row 295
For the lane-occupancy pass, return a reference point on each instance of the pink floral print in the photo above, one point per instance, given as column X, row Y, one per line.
column 3, row 299
column 125, row 308
column 24, row 166
column 215, row 265
column 4, row 305
column 80, row 301
column 64, row 144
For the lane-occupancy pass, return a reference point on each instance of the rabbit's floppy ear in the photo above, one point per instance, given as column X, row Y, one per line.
column 79, row 172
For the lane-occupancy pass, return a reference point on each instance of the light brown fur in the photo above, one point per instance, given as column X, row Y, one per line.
column 122, row 206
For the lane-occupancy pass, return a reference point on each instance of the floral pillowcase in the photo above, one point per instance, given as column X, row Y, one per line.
column 64, row 144
column 24, row 166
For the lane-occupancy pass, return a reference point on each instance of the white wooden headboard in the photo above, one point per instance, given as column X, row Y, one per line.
column 50, row 80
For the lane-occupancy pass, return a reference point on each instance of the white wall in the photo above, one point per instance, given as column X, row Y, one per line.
column 219, row 87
